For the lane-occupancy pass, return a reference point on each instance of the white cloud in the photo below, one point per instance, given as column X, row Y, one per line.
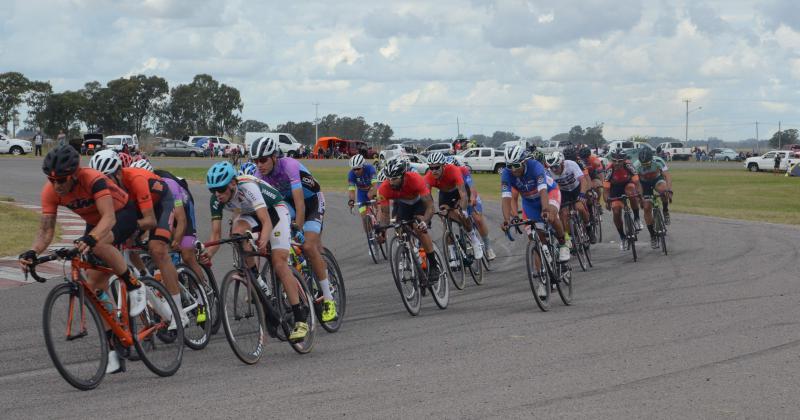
column 390, row 50
column 334, row 50
column 692, row 93
column 718, row 66
column 542, row 103
column 431, row 93
column 795, row 66
column 774, row 106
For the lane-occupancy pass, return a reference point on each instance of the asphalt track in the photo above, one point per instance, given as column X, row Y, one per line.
column 709, row 331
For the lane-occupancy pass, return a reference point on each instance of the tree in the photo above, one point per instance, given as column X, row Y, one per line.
column 784, row 137
column 13, row 87
column 90, row 114
column 560, row 137
column 36, row 99
column 62, row 112
column 576, row 135
column 379, row 134
column 202, row 107
column 303, row 131
column 252, row 126
column 594, row 136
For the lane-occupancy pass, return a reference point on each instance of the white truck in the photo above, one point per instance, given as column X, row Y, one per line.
column 766, row 162
column 286, row 142
column 483, row 159
column 555, row 146
column 676, row 150
column 14, row 146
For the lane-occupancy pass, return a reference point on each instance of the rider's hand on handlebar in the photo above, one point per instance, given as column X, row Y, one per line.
column 85, row 243
column 351, row 203
column 26, row 259
column 421, row 225
column 505, row 226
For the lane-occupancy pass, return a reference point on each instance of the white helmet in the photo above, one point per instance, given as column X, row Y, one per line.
column 436, row 158
column 357, row 161
column 554, row 159
column 515, row 154
column 381, row 175
column 142, row 164
column 263, row 147
column 106, row 161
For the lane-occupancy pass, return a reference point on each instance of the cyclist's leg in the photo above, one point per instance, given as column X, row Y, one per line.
column 106, row 248
column 630, row 191
column 647, row 190
column 158, row 246
column 242, row 224
column 312, row 246
column 532, row 210
column 477, row 216
column 189, row 257
column 280, row 243
column 616, row 191
column 361, row 197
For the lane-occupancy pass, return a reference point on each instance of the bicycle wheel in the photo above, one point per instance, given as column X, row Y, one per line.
column 390, row 249
column 372, row 243
column 159, row 348
column 564, row 284
column 195, row 305
column 660, row 230
column 598, row 225
column 75, row 337
column 337, row 290
column 453, row 258
column 242, row 317
column 405, row 278
column 287, row 315
column 577, row 246
column 385, row 252
column 630, row 233
column 440, row 289
column 214, row 302
column 538, row 277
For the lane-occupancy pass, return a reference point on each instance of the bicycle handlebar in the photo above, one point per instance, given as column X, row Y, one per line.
column 59, row 254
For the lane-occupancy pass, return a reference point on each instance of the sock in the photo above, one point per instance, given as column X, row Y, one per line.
column 325, row 285
column 177, row 299
column 486, row 242
column 621, row 234
column 299, row 313
column 651, row 230
column 130, row 280
column 636, row 214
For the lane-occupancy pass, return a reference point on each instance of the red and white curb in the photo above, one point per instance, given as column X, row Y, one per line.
column 72, row 227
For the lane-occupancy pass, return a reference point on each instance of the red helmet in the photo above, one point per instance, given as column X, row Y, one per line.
column 126, row 159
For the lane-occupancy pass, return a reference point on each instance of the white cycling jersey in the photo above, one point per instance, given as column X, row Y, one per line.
column 570, row 177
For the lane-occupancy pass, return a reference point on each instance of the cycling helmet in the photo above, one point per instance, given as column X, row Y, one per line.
column 554, row 159
column 248, row 168
column 61, row 161
column 585, row 153
column 646, row 155
column 220, row 175
column 618, row 154
column 395, row 168
column 142, row 164
column 357, row 161
column 106, row 161
column 515, row 154
column 263, row 147
column 381, row 175
column 570, row 153
column 436, row 158
column 126, row 159
column 538, row 156
column 453, row 161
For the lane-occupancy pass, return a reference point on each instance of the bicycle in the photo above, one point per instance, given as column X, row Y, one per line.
column 580, row 241
column 372, row 242
column 659, row 225
column 550, row 271
column 159, row 348
column 410, row 270
column 458, row 253
column 596, row 215
column 629, row 228
column 246, row 298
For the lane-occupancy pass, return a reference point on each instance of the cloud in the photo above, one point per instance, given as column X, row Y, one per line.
column 390, row 50
column 334, row 50
column 692, row 93
column 542, row 103
column 774, row 106
column 431, row 93
column 383, row 24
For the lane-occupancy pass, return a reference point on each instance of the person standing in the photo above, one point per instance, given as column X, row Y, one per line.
column 62, row 138
column 38, row 140
column 777, row 163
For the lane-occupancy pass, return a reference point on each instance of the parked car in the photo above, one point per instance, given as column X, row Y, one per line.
column 676, row 150
column 14, row 146
column 483, row 159
column 445, row 148
column 118, row 142
column 92, row 142
column 418, row 163
column 553, row 145
column 633, row 155
column 766, row 162
column 286, row 142
column 391, row 151
column 177, row 148
column 220, row 143
column 725, row 155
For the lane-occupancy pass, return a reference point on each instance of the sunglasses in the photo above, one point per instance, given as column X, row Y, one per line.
column 357, row 169
column 263, row 159
column 515, row 165
column 218, row 190
column 395, row 178
column 57, row 180
column 435, row 167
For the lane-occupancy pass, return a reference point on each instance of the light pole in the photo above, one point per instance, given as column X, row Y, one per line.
column 686, row 135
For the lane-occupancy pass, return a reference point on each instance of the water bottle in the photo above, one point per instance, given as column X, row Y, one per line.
column 547, row 256
column 423, row 260
column 263, row 286
column 105, row 300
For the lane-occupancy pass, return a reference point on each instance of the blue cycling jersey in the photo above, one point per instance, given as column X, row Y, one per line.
column 365, row 181
column 533, row 179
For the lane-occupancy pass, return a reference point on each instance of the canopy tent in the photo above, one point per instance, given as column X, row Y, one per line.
column 336, row 147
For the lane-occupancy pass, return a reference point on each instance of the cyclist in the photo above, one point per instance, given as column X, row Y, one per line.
column 453, row 195
column 412, row 201
column 622, row 179
column 653, row 175
column 248, row 168
column 361, row 178
column 110, row 220
column 475, row 208
column 595, row 170
column 155, row 206
column 573, row 185
column 541, row 197
column 259, row 208
column 303, row 194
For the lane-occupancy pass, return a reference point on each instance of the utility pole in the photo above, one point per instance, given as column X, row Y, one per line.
column 686, row 136
column 316, row 122
column 458, row 127
column 780, row 135
column 757, row 148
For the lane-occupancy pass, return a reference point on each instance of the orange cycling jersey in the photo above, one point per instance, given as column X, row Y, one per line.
column 594, row 167
column 144, row 187
column 413, row 188
column 90, row 185
column 450, row 179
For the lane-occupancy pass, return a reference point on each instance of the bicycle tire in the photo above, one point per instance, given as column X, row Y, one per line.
column 339, row 293
column 540, row 276
column 372, row 243
column 629, row 234
column 577, row 246
column 660, row 230
column 242, row 292
column 214, row 301
column 198, row 333
column 287, row 316
column 440, row 289
column 93, row 377
column 149, row 352
column 405, row 278
column 456, row 274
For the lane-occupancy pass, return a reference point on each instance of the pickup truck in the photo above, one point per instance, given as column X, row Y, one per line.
column 14, row 146
column 483, row 159
column 553, row 146
column 676, row 150
column 766, row 162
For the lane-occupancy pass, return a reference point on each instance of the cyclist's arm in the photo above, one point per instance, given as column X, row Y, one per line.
column 668, row 178
column 384, row 213
column 266, row 227
column 508, row 206
column 108, row 217
column 299, row 206
column 148, row 220
column 47, row 229
column 462, row 192
column 585, row 184
column 216, row 233
column 428, row 201
column 351, row 192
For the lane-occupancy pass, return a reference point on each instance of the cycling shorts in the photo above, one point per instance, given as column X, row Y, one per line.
column 125, row 225
column 649, row 186
column 618, row 190
column 362, row 196
column 532, row 209
column 569, row 197
column 449, row 199
column 164, row 211
column 406, row 212
column 281, row 226
column 187, row 242
column 315, row 211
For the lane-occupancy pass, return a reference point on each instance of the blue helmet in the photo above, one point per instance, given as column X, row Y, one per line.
column 220, row 175
column 248, row 168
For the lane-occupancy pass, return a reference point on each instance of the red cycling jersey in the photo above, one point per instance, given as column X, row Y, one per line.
column 413, row 188
column 89, row 186
column 140, row 184
column 450, row 179
column 621, row 175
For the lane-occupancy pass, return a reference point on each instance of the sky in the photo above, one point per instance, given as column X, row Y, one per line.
column 535, row 67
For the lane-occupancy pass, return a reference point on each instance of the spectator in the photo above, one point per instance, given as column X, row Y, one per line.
column 62, row 138
column 38, row 140
column 777, row 163
column 210, row 148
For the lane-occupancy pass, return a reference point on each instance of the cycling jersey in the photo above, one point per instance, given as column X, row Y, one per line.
column 364, row 181
column 448, row 181
column 89, row 185
column 653, row 172
column 470, row 186
column 622, row 175
column 287, row 175
column 593, row 167
column 143, row 186
column 413, row 189
column 533, row 180
column 570, row 177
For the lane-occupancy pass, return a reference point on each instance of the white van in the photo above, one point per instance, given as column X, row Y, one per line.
column 286, row 142
column 117, row 142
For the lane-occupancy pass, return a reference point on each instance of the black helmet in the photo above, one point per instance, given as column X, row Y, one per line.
column 585, row 153
column 61, row 161
column 570, row 153
column 618, row 154
column 646, row 155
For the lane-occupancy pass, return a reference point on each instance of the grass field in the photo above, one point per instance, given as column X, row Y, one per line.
column 19, row 225
column 720, row 190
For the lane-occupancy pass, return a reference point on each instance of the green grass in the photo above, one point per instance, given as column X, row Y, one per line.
column 719, row 190
column 19, row 226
